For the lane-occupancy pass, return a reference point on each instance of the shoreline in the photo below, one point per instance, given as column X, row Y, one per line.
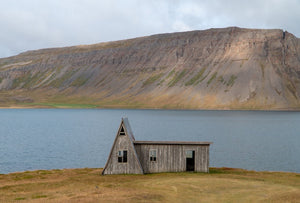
column 73, row 106
column 211, row 168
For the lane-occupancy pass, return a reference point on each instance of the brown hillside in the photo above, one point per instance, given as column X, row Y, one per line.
column 228, row 68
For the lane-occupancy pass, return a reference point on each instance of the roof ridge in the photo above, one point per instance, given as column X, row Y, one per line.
column 170, row 142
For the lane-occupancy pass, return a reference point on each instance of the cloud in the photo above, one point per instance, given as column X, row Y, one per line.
column 34, row 24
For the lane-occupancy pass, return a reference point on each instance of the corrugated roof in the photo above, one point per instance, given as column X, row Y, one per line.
column 128, row 128
column 172, row 142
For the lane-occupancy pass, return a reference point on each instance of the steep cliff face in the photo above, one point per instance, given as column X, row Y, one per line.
column 229, row 68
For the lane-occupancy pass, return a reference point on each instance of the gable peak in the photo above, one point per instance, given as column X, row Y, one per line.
column 127, row 128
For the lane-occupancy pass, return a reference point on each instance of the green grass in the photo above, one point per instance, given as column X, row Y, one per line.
column 220, row 79
column 170, row 74
column 291, row 87
column 203, row 78
column 23, row 177
column 59, row 81
column 21, row 81
column 196, row 78
column 38, row 196
column 152, row 79
column 27, row 80
column 178, row 76
column 3, row 64
column 231, row 81
column 262, row 66
column 53, row 75
column 80, row 81
column 100, row 81
column 212, row 78
column 20, row 198
column 32, row 80
column 161, row 82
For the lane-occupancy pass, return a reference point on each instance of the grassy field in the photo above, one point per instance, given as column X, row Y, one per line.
column 87, row 185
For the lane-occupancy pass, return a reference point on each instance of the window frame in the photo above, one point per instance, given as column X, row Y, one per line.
column 189, row 150
column 153, row 155
column 122, row 156
column 122, row 131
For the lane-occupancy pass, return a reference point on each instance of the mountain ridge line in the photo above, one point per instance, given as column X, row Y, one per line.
column 219, row 68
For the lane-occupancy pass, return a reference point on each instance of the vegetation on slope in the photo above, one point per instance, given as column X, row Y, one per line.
column 230, row 82
column 178, row 76
column 212, row 78
column 178, row 70
column 196, row 78
column 152, row 79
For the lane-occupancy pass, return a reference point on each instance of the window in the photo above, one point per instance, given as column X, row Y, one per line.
column 189, row 153
column 122, row 156
column 152, row 154
column 122, row 132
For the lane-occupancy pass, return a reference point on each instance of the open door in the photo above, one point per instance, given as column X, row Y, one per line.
column 190, row 160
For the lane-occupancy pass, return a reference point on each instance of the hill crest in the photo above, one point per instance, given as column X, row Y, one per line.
column 224, row 68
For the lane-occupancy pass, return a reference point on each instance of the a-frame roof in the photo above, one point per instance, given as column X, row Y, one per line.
column 128, row 131
column 128, row 128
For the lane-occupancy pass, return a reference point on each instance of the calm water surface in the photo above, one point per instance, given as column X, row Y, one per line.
column 33, row 139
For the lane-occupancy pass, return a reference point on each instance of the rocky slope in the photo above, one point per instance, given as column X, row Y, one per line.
column 228, row 68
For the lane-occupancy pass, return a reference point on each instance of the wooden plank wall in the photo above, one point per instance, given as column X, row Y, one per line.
column 131, row 167
column 171, row 158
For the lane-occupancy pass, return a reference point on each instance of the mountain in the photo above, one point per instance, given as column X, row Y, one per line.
column 227, row 68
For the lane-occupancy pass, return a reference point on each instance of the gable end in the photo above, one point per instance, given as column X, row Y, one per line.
column 123, row 142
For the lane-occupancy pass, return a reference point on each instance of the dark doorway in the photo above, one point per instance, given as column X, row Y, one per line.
column 190, row 160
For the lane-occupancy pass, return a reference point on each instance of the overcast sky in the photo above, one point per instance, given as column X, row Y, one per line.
column 35, row 24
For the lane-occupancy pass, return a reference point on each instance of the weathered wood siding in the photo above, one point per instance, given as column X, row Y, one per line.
column 172, row 158
column 131, row 167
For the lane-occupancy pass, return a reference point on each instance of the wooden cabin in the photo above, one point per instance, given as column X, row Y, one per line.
column 128, row 156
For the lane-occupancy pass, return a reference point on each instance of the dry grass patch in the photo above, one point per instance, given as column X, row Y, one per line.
column 87, row 185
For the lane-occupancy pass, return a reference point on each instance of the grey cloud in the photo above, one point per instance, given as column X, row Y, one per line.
column 34, row 24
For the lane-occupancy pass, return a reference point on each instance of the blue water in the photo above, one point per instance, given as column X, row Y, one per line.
column 33, row 139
